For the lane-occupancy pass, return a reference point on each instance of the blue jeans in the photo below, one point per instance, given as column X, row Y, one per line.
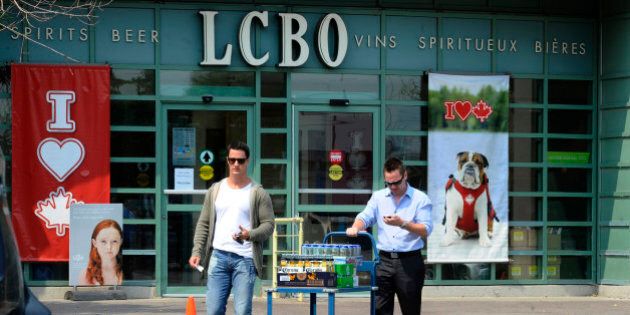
column 230, row 271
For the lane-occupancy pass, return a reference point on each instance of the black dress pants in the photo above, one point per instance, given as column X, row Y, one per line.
column 402, row 276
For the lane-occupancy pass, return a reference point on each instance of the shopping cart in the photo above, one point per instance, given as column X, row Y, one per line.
column 365, row 266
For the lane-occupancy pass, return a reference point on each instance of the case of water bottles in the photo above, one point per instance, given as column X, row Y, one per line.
column 349, row 252
column 321, row 265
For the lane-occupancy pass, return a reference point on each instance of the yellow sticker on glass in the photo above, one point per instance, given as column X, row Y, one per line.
column 335, row 172
column 206, row 172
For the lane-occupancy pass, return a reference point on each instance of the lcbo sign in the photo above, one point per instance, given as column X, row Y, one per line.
column 290, row 36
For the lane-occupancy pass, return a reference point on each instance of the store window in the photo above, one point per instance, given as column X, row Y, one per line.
column 279, row 205
column 273, row 84
column 520, row 267
column 132, row 113
column 406, row 87
column 406, row 147
column 198, row 83
column 575, row 209
column 525, row 179
column 133, row 175
column 132, row 82
column 347, row 181
column 570, row 121
column 417, row 176
column 581, row 92
column 526, row 91
column 139, row 236
column 525, row 208
column 526, row 150
column 273, row 176
column 132, row 144
column 180, row 241
column 135, row 206
column 273, row 146
column 562, row 125
column 273, row 115
column 529, row 120
column 403, row 118
column 331, row 86
column 139, row 267
column 47, row 271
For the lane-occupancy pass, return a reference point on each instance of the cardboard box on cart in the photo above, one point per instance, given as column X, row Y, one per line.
column 307, row 279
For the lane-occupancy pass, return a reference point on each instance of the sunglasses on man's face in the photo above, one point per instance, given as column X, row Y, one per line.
column 398, row 182
column 234, row 160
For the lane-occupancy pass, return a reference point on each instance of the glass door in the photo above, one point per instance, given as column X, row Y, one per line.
column 194, row 150
column 336, row 164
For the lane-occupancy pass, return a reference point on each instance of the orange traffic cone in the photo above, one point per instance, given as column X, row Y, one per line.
column 191, row 309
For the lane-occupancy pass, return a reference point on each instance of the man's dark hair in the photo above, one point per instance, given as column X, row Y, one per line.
column 240, row 146
column 393, row 164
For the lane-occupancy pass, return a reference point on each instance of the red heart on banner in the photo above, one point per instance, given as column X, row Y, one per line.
column 463, row 109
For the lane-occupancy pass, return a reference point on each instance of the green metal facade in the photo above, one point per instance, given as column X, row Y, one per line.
column 595, row 216
column 614, row 139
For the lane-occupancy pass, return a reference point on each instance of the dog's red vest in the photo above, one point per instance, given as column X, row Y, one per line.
column 467, row 221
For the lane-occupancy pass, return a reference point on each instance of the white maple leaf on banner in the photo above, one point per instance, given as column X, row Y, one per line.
column 55, row 210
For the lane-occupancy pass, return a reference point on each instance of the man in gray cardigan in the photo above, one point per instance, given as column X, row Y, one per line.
column 237, row 217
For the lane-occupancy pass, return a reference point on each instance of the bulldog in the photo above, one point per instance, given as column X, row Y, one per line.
column 468, row 209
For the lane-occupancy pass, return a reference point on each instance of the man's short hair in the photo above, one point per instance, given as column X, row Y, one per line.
column 240, row 146
column 392, row 164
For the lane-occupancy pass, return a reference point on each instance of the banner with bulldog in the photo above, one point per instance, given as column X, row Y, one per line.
column 468, row 167
column 60, row 152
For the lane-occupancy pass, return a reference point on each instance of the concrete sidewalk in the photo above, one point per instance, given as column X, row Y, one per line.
column 358, row 306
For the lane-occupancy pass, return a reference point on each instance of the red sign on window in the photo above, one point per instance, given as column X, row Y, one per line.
column 335, row 156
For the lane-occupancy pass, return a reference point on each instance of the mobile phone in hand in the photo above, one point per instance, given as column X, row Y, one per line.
column 239, row 238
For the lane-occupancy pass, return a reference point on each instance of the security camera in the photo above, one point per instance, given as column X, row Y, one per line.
column 207, row 98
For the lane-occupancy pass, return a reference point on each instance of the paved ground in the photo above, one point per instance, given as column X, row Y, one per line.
column 358, row 306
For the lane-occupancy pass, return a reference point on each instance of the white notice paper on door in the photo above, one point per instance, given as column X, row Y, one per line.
column 184, row 178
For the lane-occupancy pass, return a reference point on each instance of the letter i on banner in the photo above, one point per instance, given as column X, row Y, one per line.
column 60, row 151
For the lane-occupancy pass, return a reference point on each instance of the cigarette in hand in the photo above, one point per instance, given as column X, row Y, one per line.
column 199, row 267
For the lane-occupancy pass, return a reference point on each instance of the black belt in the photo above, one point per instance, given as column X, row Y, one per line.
column 396, row 255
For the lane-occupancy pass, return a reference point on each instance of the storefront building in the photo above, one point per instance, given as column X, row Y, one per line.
column 354, row 79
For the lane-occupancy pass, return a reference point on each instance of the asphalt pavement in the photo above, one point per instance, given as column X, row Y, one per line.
column 358, row 306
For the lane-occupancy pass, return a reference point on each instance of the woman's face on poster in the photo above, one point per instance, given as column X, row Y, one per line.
column 107, row 243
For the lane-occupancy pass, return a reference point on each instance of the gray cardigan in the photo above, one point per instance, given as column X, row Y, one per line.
column 261, row 216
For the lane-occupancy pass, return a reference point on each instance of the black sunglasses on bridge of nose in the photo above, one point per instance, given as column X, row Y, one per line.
column 234, row 160
column 398, row 182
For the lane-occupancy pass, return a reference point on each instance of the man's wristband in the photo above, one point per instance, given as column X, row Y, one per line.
column 404, row 224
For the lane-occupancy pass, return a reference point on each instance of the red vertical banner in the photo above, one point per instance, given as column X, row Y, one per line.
column 60, row 152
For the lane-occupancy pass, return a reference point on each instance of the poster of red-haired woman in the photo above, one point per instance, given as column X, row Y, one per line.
column 96, row 238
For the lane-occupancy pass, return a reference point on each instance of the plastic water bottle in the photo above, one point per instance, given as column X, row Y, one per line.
column 321, row 249
column 336, row 250
column 346, row 251
column 327, row 250
column 356, row 250
column 306, row 249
